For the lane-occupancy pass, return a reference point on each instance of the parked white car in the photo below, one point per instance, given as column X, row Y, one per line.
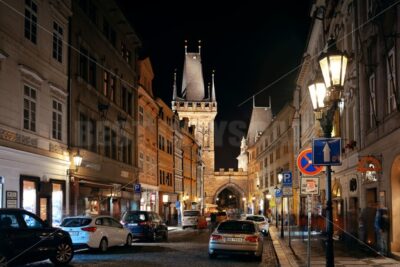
column 97, row 232
column 190, row 218
column 261, row 221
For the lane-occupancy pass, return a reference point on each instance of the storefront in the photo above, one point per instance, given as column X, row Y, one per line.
column 33, row 182
column 149, row 198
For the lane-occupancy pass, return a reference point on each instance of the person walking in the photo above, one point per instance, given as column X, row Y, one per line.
column 381, row 225
column 213, row 221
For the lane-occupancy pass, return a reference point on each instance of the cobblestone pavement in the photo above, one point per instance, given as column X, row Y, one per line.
column 185, row 248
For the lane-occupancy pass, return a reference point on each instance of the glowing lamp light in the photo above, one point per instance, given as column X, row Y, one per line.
column 165, row 198
column 77, row 160
column 317, row 93
column 333, row 63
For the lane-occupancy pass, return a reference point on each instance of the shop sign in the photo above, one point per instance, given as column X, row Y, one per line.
column 11, row 199
column 369, row 164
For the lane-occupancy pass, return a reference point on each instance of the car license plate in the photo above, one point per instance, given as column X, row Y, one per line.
column 73, row 233
column 132, row 224
column 234, row 239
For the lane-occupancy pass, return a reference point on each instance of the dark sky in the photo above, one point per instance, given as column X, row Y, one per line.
column 250, row 45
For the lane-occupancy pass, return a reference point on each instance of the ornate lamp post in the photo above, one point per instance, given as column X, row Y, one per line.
column 325, row 98
column 77, row 160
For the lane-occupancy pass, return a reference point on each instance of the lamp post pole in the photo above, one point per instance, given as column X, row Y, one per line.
column 282, row 232
column 326, row 123
column 325, row 97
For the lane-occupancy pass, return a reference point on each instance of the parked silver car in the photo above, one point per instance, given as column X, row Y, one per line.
column 236, row 237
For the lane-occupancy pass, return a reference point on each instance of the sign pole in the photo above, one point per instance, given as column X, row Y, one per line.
column 289, row 206
column 309, row 230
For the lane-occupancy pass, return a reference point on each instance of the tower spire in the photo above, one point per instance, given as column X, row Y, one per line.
column 213, row 97
column 209, row 91
column 185, row 47
column 200, row 47
column 175, row 87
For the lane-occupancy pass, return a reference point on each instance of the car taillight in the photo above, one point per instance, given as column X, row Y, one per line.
column 144, row 223
column 251, row 238
column 216, row 237
column 89, row 229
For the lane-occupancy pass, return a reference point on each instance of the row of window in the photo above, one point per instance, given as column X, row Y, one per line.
column 90, row 9
column 161, row 144
column 165, row 178
column 88, row 72
column 31, row 29
column 30, row 111
column 114, row 147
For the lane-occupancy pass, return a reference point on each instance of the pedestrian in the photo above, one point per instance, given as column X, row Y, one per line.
column 213, row 221
column 381, row 229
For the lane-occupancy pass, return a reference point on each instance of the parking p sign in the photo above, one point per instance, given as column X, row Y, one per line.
column 287, row 179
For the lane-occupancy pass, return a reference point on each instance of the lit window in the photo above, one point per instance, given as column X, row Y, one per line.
column 29, row 196
column 57, row 204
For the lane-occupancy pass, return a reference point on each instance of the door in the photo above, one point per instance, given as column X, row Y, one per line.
column 119, row 232
column 45, row 209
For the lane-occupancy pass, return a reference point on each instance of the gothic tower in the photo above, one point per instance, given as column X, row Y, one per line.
column 199, row 106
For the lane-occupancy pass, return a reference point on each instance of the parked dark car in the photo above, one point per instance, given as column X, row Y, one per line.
column 145, row 225
column 25, row 238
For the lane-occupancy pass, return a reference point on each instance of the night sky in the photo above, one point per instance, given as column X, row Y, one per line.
column 249, row 45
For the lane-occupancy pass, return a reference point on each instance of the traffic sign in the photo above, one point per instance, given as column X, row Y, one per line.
column 278, row 192
column 327, row 151
column 309, row 185
column 305, row 163
column 137, row 188
column 287, row 179
column 287, row 191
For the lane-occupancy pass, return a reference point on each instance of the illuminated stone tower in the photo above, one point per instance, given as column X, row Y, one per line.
column 199, row 108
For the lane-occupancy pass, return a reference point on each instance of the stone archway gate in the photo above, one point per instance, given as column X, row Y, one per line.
column 214, row 184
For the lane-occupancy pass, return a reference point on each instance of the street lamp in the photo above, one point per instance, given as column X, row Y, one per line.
column 280, row 178
column 77, row 160
column 325, row 102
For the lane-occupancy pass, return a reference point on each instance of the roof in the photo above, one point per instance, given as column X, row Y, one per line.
column 192, row 81
column 261, row 117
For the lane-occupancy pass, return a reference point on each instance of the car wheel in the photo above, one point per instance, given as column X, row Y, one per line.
column 154, row 236
column 212, row 255
column 165, row 236
column 128, row 240
column 3, row 260
column 63, row 255
column 103, row 245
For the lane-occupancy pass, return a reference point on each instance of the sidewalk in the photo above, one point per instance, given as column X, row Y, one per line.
column 296, row 255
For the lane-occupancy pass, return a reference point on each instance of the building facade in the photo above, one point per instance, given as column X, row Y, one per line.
column 147, row 138
column 367, row 118
column 34, row 154
column 103, row 99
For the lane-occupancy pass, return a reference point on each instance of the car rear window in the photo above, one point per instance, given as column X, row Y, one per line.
column 236, row 227
column 75, row 222
column 191, row 213
column 135, row 217
column 255, row 218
